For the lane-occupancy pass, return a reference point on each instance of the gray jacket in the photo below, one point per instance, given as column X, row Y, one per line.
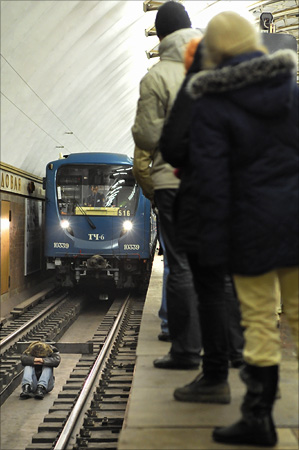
column 52, row 360
column 158, row 90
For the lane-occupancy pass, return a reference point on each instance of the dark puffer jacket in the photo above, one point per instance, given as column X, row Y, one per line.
column 238, row 199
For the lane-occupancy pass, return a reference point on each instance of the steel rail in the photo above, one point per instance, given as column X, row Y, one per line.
column 64, row 437
column 4, row 342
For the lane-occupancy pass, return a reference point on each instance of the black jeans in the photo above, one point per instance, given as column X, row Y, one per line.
column 182, row 305
column 209, row 283
column 235, row 330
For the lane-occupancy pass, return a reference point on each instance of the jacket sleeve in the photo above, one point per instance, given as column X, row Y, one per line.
column 174, row 142
column 141, row 171
column 150, row 115
column 27, row 360
column 53, row 360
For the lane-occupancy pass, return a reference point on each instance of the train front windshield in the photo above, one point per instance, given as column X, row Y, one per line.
column 99, row 190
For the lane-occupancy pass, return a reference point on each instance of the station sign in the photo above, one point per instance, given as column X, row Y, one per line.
column 22, row 185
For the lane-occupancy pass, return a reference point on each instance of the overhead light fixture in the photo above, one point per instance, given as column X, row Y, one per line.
column 150, row 5
column 154, row 53
column 151, row 31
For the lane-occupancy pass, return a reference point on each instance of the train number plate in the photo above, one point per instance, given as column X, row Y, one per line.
column 61, row 245
column 131, row 247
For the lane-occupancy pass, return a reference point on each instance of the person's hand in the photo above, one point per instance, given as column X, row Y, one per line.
column 38, row 361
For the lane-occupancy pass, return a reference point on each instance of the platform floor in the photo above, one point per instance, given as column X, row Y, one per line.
column 156, row 421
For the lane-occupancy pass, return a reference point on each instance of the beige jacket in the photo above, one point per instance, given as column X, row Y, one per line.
column 158, row 89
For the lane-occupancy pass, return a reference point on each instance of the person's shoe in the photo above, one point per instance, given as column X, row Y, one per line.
column 40, row 392
column 26, row 392
column 170, row 362
column 258, row 431
column 204, row 390
column 163, row 336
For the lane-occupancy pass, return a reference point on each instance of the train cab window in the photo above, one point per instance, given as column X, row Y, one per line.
column 99, row 190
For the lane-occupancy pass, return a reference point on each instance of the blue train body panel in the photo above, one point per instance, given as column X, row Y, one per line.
column 98, row 222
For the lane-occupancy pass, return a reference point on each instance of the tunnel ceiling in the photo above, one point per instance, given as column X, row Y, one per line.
column 70, row 73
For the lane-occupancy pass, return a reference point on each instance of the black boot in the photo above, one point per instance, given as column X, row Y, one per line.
column 40, row 392
column 256, row 426
column 26, row 392
column 204, row 390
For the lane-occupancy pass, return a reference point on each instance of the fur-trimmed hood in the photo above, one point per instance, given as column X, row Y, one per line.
column 274, row 75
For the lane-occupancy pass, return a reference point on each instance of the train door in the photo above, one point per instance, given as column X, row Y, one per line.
column 5, row 216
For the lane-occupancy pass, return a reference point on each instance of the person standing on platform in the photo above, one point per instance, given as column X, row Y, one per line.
column 215, row 295
column 243, row 166
column 158, row 89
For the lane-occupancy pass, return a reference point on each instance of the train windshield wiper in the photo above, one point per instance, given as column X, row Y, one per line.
column 90, row 222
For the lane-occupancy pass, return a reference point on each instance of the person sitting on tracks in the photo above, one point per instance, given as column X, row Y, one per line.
column 39, row 360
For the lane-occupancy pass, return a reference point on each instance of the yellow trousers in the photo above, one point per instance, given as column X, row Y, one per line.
column 258, row 298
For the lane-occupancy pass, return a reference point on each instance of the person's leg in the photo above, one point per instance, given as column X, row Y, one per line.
column 209, row 282
column 278, row 304
column 289, row 285
column 163, row 309
column 182, row 310
column 258, row 300
column 45, row 383
column 211, row 386
column 262, row 355
column 28, row 376
column 29, row 382
column 256, row 427
column 46, row 379
column 235, row 330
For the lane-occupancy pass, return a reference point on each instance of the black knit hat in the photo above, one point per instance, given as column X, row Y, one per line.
column 171, row 16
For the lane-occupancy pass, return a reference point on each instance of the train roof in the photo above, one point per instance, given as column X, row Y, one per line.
column 94, row 158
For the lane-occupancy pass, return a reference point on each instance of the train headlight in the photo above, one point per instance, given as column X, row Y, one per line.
column 65, row 224
column 127, row 225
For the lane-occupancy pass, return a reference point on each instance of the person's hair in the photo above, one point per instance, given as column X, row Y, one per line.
column 39, row 349
column 228, row 34
column 171, row 16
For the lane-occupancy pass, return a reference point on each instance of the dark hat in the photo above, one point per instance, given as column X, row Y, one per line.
column 171, row 16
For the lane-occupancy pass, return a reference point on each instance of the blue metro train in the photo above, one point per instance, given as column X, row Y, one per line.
column 98, row 223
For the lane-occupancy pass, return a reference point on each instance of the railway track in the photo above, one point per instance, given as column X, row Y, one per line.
column 89, row 410
column 46, row 321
